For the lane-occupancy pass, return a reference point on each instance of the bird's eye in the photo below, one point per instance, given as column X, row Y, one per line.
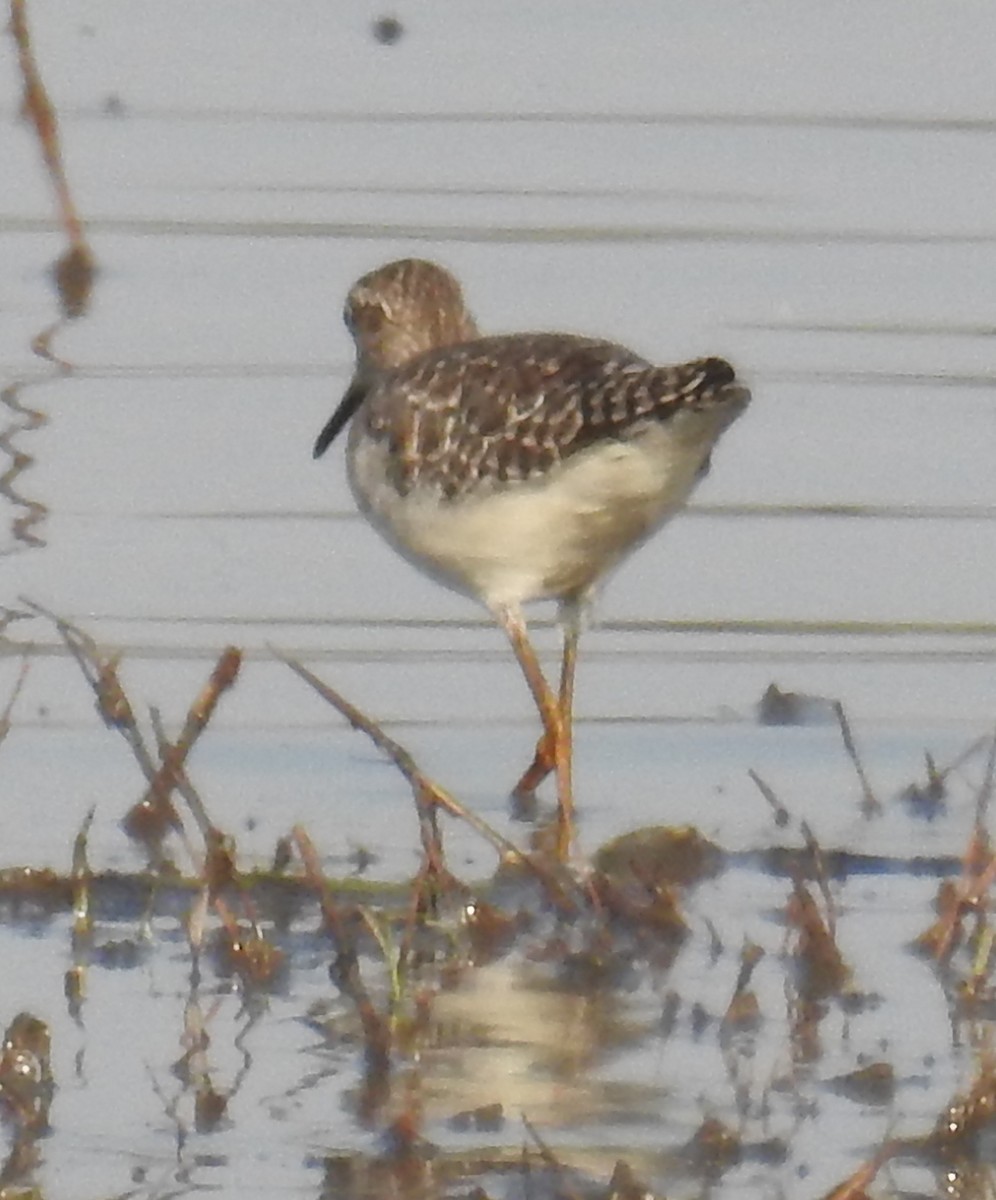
column 366, row 316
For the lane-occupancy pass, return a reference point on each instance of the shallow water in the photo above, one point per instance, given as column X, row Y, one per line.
column 807, row 193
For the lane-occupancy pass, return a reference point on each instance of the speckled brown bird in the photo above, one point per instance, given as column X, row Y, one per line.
column 516, row 468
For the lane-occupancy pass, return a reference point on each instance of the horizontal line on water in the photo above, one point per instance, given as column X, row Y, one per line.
column 714, row 511
column 906, row 328
column 760, row 375
column 487, row 234
column 730, row 718
column 923, row 122
column 720, row 626
column 501, row 191
column 499, row 654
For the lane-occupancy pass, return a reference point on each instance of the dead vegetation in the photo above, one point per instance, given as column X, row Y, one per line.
column 398, row 955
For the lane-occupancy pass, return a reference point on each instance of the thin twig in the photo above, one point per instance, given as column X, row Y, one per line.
column 75, row 269
column 426, row 791
column 985, row 795
column 100, row 672
column 781, row 813
column 856, row 1185
column 12, row 699
column 183, row 784
column 223, row 677
column 345, row 969
column 429, row 795
column 820, row 872
column 872, row 806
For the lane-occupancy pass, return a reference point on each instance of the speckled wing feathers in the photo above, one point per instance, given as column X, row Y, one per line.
column 505, row 409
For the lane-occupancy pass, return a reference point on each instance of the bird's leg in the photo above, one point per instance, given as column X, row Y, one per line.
column 544, row 759
column 555, row 744
column 564, row 753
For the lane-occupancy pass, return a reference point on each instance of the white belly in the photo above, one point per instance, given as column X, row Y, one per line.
column 552, row 538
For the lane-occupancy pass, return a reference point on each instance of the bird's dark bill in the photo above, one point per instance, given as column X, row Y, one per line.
column 339, row 419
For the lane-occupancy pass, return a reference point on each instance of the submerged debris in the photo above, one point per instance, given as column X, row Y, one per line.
column 26, row 1083
column 793, row 708
column 387, row 30
column 657, row 857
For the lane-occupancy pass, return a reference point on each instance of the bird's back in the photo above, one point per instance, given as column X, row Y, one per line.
column 496, row 412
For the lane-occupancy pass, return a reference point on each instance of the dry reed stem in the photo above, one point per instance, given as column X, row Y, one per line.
column 174, row 756
column 985, row 795
column 970, row 751
column 81, row 877
column 74, row 271
column 822, row 879
column 427, row 793
column 75, row 978
column 547, row 1155
column 825, row 973
column 183, row 784
column 551, row 1160
column 38, row 109
column 855, row 1186
column 8, row 708
column 743, row 1010
column 781, row 813
column 957, row 898
column 424, row 892
column 345, row 969
column 100, row 670
column 194, row 1069
column 315, row 876
column 871, row 805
